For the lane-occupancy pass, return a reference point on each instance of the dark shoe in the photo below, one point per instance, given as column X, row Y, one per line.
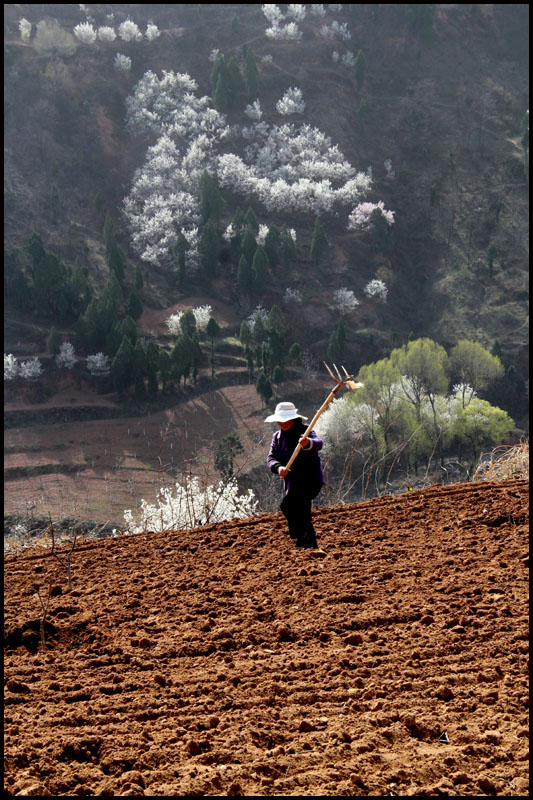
column 308, row 543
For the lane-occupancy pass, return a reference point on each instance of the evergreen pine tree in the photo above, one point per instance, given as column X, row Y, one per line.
column 249, row 245
column 260, row 270
column 122, row 366
column 287, row 247
column 236, row 82
column 221, row 97
column 188, row 323
column 251, row 74
column 319, row 243
column 133, row 307
column 212, row 204
column 129, row 328
column 179, row 250
column 53, row 343
column 209, row 249
column 273, row 246
column 245, row 278
column 164, row 368
column 294, row 355
column 263, row 387
column 251, row 220
column 213, row 332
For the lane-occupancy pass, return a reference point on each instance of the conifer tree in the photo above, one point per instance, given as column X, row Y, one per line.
column 179, row 250
column 236, row 82
column 251, row 220
column 245, row 278
column 122, row 366
column 251, row 74
column 129, row 328
column 228, row 447
column 79, row 289
column 249, row 245
column 273, row 246
column 260, row 270
column 221, row 97
column 53, row 343
column 294, row 354
column 213, row 332
column 319, row 243
column 212, row 204
column 209, row 249
column 287, row 247
column 263, row 387
column 133, row 307
column 164, row 368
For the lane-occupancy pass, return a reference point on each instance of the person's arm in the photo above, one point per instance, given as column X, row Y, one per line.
column 311, row 442
column 273, row 462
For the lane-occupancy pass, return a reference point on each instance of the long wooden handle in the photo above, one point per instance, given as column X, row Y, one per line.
column 309, row 428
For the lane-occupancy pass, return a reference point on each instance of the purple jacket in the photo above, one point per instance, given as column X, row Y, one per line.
column 306, row 474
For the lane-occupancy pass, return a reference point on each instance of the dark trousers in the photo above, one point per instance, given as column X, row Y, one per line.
column 296, row 507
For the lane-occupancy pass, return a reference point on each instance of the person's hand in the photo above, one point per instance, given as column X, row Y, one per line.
column 304, row 441
column 283, row 472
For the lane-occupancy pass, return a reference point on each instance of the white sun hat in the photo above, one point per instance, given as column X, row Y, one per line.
column 284, row 412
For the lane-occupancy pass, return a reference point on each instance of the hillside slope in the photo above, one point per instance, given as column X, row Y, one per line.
column 442, row 102
column 221, row 661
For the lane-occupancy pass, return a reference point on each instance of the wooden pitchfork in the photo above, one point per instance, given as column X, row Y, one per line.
column 340, row 381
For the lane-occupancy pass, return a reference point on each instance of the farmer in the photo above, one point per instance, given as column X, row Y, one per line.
column 305, row 478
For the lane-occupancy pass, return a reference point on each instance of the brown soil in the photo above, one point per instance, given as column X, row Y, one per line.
column 223, row 661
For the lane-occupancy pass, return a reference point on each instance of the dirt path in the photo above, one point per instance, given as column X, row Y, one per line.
column 222, row 661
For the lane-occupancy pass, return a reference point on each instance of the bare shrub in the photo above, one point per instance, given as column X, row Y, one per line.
column 504, row 462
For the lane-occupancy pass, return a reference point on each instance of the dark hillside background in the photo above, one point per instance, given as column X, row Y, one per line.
column 437, row 110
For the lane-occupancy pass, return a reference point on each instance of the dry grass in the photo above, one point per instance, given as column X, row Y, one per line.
column 505, row 462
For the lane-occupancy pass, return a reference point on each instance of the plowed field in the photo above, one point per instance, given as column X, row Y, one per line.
column 223, row 661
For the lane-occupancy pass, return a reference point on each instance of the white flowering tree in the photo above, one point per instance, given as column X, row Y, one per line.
column 261, row 234
column 66, row 357
column 253, row 111
column 190, row 504
column 287, row 168
column 292, row 297
column 290, row 168
column 99, row 364
column 122, row 63
column 292, row 102
column 344, row 301
column 31, row 369
column 106, row 34
column 202, row 315
column 129, row 31
column 376, row 288
column 164, row 198
column 85, row 32
column 11, row 367
column 288, row 33
column 152, row 32
column 336, row 30
column 361, row 216
column 25, row 29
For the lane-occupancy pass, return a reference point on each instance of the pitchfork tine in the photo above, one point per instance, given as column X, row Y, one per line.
column 338, row 373
column 330, row 372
